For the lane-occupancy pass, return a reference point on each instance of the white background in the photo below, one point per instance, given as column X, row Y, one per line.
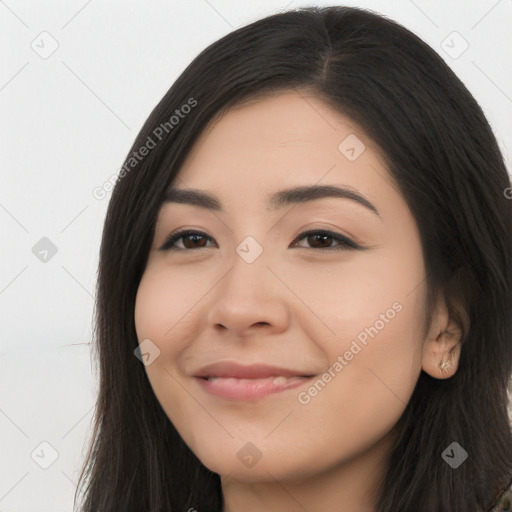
column 67, row 122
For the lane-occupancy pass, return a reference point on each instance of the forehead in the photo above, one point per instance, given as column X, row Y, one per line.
column 288, row 118
column 287, row 139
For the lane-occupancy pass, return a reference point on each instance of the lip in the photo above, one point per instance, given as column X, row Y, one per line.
column 249, row 389
column 231, row 380
column 229, row 369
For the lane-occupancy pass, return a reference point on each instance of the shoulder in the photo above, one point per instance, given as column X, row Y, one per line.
column 503, row 502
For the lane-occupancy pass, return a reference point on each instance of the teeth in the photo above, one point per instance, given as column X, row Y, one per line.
column 276, row 380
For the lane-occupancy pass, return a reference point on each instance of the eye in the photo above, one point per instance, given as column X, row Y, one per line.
column 191, row 240
column 322, row 240
column 317, row 239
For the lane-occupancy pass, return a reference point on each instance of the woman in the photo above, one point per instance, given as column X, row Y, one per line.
column 309, row 249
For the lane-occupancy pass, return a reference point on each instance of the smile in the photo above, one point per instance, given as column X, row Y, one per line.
column 249, row 389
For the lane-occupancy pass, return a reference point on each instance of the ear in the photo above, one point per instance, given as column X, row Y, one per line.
column 442, row 346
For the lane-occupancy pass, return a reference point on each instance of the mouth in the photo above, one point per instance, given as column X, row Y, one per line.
column 251, row 389
column 235, row 381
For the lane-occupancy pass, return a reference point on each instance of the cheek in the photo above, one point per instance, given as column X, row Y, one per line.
column 161, row 305
column 380, row 344
column 370, row 313
column 151, row 304
column 166, row 312
column 160, row 316
column 369, row 383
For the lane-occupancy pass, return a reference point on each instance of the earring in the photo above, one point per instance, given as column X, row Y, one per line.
column 445, row 365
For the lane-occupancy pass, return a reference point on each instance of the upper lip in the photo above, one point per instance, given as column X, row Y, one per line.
column 253, row 371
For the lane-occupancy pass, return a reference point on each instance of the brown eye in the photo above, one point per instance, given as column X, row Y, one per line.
column 318, row 239
column 321, row 239
column 191, row 240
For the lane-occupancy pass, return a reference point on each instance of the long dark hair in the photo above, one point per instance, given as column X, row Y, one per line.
column 441, row 151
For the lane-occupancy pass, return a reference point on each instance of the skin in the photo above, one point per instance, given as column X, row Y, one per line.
column 297, row 307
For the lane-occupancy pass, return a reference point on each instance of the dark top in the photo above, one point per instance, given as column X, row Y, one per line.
column 503, row 503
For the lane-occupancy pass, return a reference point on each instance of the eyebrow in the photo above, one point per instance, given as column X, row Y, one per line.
column 276, row 201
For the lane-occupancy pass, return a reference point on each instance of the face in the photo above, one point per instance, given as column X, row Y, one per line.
column 322, row 285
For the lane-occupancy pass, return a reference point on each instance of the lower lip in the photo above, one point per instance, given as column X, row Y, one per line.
column 249, row 389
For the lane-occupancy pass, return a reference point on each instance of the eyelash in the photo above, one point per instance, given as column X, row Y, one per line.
column 344, row 242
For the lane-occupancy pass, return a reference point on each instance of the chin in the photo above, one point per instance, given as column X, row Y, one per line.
column 228, row 461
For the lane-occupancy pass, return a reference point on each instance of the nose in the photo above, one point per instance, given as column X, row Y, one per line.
column 249, row 298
